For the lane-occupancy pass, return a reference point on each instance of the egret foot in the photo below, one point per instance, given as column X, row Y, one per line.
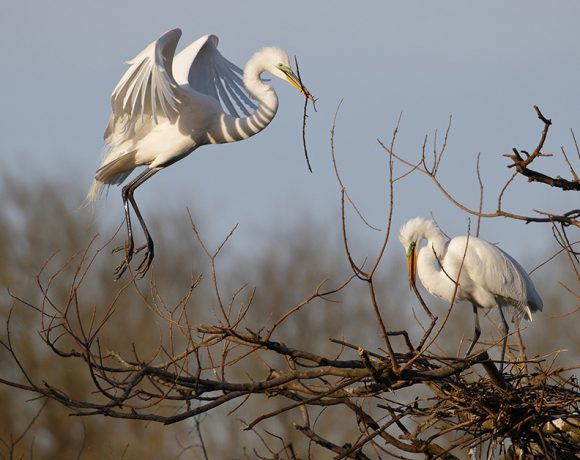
column 121, row 268
column 127, row 249
column 147, row 259
column 129, row 252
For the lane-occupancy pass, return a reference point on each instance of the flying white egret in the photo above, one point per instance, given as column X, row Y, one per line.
column 489, row 277
column 167, row 105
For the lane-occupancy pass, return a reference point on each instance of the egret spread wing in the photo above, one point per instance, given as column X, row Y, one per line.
column 205, row 70
column 147, row 91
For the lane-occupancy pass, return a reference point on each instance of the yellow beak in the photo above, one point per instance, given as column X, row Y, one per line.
column 292, row 78
column 412, row 266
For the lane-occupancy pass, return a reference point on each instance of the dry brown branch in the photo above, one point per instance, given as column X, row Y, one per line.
column 343, row 189
column 522, row 164
column 307, row 97
column 570, row 218
column 398, row 393
column 126, row 386
column 358, row 270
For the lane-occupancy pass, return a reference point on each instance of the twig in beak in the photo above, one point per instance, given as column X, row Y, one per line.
column 308, row 96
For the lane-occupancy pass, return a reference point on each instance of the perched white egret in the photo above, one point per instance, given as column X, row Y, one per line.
column 489, row 277
column 167, row 105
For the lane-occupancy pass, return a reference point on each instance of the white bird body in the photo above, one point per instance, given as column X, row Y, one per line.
column 156, row 124
column 165, row 106
column 488, row 277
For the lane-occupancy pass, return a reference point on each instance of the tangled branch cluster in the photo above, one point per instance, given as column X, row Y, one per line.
column 533, row 410
column 197, row 369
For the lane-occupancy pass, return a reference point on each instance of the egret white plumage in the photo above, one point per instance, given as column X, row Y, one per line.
column 166, row 105
column 489, row 277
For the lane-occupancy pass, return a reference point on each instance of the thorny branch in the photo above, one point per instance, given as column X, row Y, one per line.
column 307, row 97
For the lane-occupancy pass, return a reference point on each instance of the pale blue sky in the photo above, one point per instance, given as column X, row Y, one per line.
column 485, row 63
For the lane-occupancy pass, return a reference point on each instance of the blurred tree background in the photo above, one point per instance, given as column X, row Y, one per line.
column 427, row 60
column 43, row 230
column 42, row 225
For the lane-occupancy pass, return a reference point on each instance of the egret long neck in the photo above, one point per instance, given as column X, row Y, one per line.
column 429, row 267
column 238, row 128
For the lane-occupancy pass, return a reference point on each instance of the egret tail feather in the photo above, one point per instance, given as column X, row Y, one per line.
column 117, row 169
column 113, row 172
column 93, row 193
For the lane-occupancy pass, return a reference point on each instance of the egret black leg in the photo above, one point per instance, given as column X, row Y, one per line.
column 505, row 330
column 130, row 243
column 476, row 331
column 127, row 195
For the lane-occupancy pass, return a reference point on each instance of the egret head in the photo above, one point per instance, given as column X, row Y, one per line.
column 277, row 63
column 410, row 235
